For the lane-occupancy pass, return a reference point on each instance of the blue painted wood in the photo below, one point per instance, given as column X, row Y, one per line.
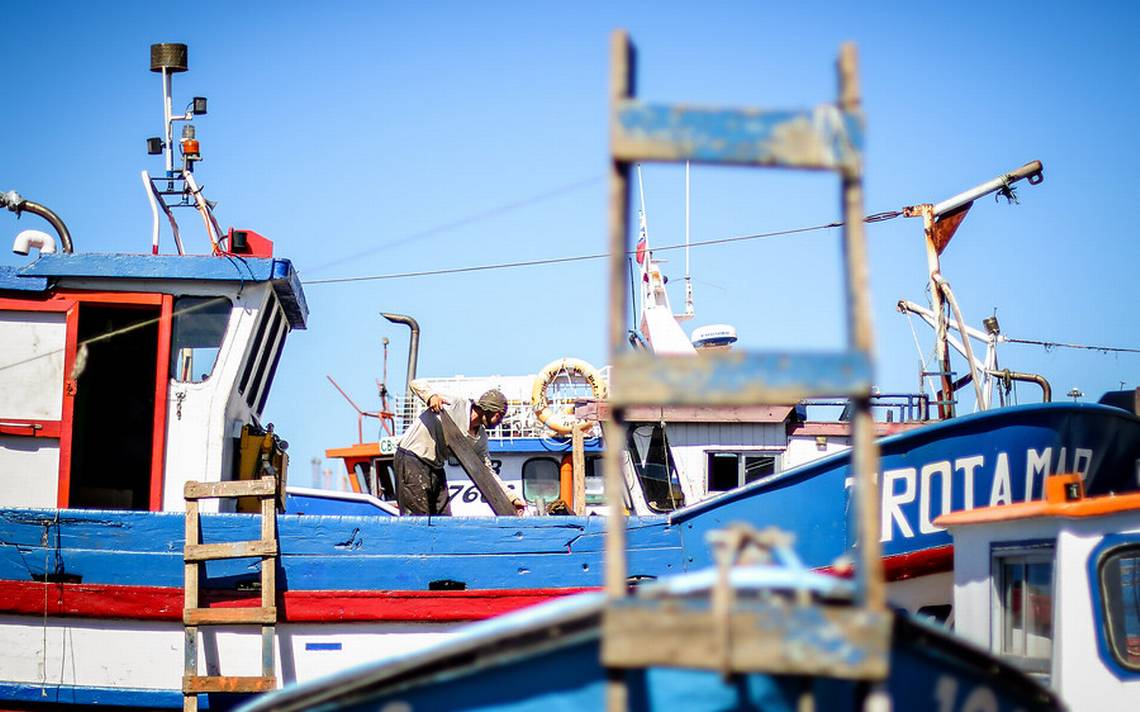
column 124, row 266
column 737, row 378
column 286, row 282
column 981, row 452
column 10, row 279
column 496, row 666
column 337, row 553
column 78, row 695
column 387, row 553
column 287, row 286
column 538, row 446
column 820, row 138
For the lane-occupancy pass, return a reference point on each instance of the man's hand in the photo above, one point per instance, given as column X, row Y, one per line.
column 520, row 506
column 436, row 402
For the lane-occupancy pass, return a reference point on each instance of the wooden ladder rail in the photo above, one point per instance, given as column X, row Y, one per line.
column 827, row 138
column 193, row 616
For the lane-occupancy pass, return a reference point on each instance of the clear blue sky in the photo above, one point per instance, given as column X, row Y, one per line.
column 371, row 138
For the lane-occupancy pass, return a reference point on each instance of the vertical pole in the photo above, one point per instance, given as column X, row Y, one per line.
column 190, row 600
column 269, row 576
column 578, row 455
column 621, row 61
column 941, row 344
column 619, row 241
column 865, row 457
column 167, row 89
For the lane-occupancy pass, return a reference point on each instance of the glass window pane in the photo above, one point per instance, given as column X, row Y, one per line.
column 758, row 466
column 540, row 479
column 595, row 481
column 199, row 326
column 1024, row 632
column 1013, row 628
column 655, row 469
column 1039, row 610
column 1120, row 589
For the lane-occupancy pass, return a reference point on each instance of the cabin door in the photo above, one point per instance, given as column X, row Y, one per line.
column 83, row 383
column 117, row 393
column 35, row 335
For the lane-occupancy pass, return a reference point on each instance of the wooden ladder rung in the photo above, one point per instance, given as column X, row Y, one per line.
column 227, row 683
column 737, row 378
column 264, row 487
column 230, row 550
column 245, row 615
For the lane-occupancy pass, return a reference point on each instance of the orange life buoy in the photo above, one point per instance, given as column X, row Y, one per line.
column 563, row 423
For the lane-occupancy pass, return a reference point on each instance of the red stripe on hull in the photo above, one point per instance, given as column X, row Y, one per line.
column 160, row 603
column 900, row 567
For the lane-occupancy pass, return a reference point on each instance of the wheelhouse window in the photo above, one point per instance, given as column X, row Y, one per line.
column 199, row 326
column 540, row 479
column 1023, row 618
column 595, row 481
column 1119, row 574
column 728, row 470
column 384, row 479
column 655, row 468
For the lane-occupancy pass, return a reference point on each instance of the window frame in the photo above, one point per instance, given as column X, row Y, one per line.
column 174, row 350
column 522, row 476
column 1109, row 546
column 670, row 465
column 741, row 469
column 1024, row 553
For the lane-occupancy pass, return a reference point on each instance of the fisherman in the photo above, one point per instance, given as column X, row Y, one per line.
column 421, row 483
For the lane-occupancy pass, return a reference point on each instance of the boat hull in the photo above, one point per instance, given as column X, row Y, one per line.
column 87, row 574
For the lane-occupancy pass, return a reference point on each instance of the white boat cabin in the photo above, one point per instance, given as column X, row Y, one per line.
column 1053, row 587
column 672, row 456
column 124, row 376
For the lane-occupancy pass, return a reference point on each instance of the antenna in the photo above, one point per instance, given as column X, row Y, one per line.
column 387, row 417
column 689, row 311
column 177, row 187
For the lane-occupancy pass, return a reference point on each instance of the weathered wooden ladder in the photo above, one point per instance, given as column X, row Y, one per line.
column 637, row 632
column 193, row 616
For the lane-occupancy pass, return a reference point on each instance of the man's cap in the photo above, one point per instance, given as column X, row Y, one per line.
column 493, row 401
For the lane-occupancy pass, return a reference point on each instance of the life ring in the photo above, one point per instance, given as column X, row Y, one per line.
column 563, row 423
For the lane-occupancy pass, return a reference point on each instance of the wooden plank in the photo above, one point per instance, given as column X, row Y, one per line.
column 737, row 378
column 267, row 650
column 190, row 572
column 460, row 446
column 230, row 550
column 784, row 639
column 190, row 667
column 265, row 487
column 578, row 457
column 268, row 568
column 264, row 615
column 192, row 684
column 691, row 413
column 192, row 536
column 823, row 138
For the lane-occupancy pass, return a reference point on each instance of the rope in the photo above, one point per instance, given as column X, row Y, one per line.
column 563, row 260
column 1061, row 345
column 81, row 349
column 918, row 348
column 476, row 217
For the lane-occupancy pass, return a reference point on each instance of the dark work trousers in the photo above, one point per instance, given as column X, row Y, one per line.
column 420, row 488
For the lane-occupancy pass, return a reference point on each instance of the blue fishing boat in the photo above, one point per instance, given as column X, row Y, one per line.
column 551, row 657
column 150, row 555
